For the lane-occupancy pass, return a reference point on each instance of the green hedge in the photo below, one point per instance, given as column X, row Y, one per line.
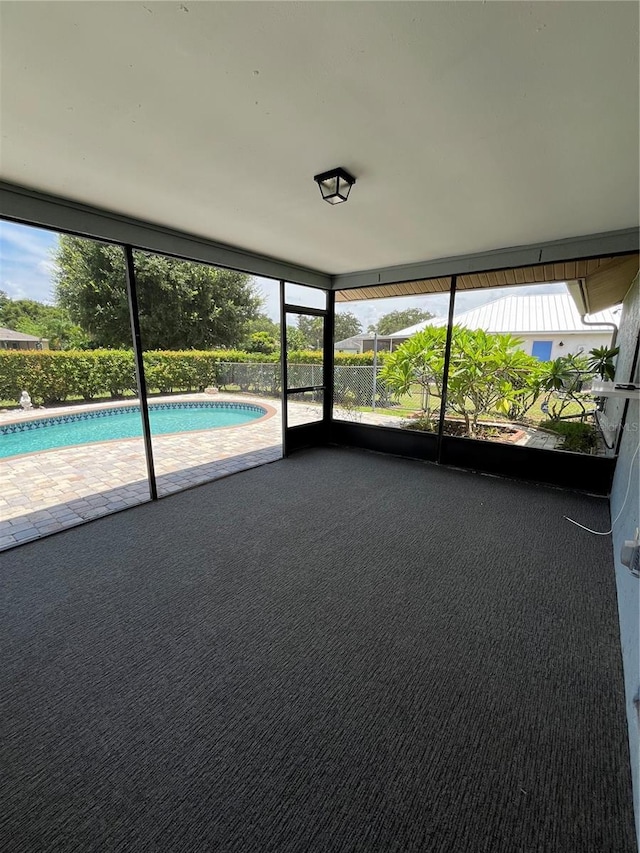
column 343, row 358
column 52, row 376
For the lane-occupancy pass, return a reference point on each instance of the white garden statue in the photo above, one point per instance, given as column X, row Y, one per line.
column 25, row 401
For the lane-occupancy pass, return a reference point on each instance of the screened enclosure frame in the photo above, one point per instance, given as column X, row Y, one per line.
column 307, row 435
column 589, row 473
column 593, row 474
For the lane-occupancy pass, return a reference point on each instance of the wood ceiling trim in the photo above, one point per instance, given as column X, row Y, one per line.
column 608, row 285
column 538, row 274
column 406, row 288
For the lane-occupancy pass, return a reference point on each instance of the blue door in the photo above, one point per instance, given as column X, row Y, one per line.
column 542, row 350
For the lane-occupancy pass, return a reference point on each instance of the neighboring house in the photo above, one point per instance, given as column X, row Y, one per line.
column 17, row 340
column 548, row 325
column 349, row 345
column 363, row 343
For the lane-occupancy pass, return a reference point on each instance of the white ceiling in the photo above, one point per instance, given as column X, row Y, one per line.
column 469, row 126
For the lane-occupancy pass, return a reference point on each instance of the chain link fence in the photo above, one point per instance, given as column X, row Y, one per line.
column 358, row 385
column 250, row 378
column 354, row 385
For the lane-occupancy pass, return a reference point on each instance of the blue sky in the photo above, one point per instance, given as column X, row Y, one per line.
column 26, row 266
column 26, row 272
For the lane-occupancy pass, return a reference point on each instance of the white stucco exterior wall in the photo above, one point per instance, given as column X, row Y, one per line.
column 572, row 342
column 626, row 504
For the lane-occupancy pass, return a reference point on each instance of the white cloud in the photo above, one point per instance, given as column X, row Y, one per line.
column 26, row 263
column 33, row 243
column 14, row 290
column 47, row 267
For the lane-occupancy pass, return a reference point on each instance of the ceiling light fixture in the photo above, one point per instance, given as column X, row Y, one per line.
column 335, row 185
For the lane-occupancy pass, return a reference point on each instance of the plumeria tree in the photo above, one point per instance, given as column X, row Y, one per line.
column 419, row 361
column 602, row 360
column 488, row 374
column 562, row 380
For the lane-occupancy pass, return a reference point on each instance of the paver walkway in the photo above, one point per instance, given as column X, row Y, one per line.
column 55, row 489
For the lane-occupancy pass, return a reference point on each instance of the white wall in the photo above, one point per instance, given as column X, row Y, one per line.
column 573, row 343
column 628, row 587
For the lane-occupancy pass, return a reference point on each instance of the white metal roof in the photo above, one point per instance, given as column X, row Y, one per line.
column 363, row 336
column 353, row 340
column 552, row 312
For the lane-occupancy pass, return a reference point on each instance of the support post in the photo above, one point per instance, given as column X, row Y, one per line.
column 447, row 359
column 375, row 371
column 328, row 359
column 132, row 297
column 283, row 368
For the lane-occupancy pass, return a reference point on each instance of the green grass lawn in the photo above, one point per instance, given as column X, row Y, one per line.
column 412, row 403
column 70, row 401
column 407, row 405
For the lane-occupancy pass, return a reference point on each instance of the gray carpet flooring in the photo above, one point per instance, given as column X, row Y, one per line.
column 336, row 652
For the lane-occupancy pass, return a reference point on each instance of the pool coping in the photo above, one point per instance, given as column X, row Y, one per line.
column 83, row 408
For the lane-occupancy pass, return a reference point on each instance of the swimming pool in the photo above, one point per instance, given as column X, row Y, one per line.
column 121, row 422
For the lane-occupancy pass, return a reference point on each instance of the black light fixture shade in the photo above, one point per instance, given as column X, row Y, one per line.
column 335, row 185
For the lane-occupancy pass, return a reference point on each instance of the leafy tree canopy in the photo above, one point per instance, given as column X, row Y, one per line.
column 397, row 320
column 182, row 305
column 346, row 325
column 261, row 322
column 261, row 342
column 296, row 341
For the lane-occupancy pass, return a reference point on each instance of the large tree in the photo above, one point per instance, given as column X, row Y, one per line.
column 182, row 305
column 397, row 320
column 346, row 325
column 296, row 341
column 263, row 325
column 261, row 322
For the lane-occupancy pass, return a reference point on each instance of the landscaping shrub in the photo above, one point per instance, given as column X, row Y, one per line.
column 340, row 358
column 117, row 371
column 578, row 436
column 54, row 376
column 49, row 377
column 169, row 371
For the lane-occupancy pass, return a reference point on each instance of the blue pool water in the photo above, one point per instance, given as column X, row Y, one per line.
column 120, row 422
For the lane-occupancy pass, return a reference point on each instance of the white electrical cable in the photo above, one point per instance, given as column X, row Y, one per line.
column 607, row 532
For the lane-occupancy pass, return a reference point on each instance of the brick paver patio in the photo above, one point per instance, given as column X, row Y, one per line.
column 51, row 490
column 55, row 489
